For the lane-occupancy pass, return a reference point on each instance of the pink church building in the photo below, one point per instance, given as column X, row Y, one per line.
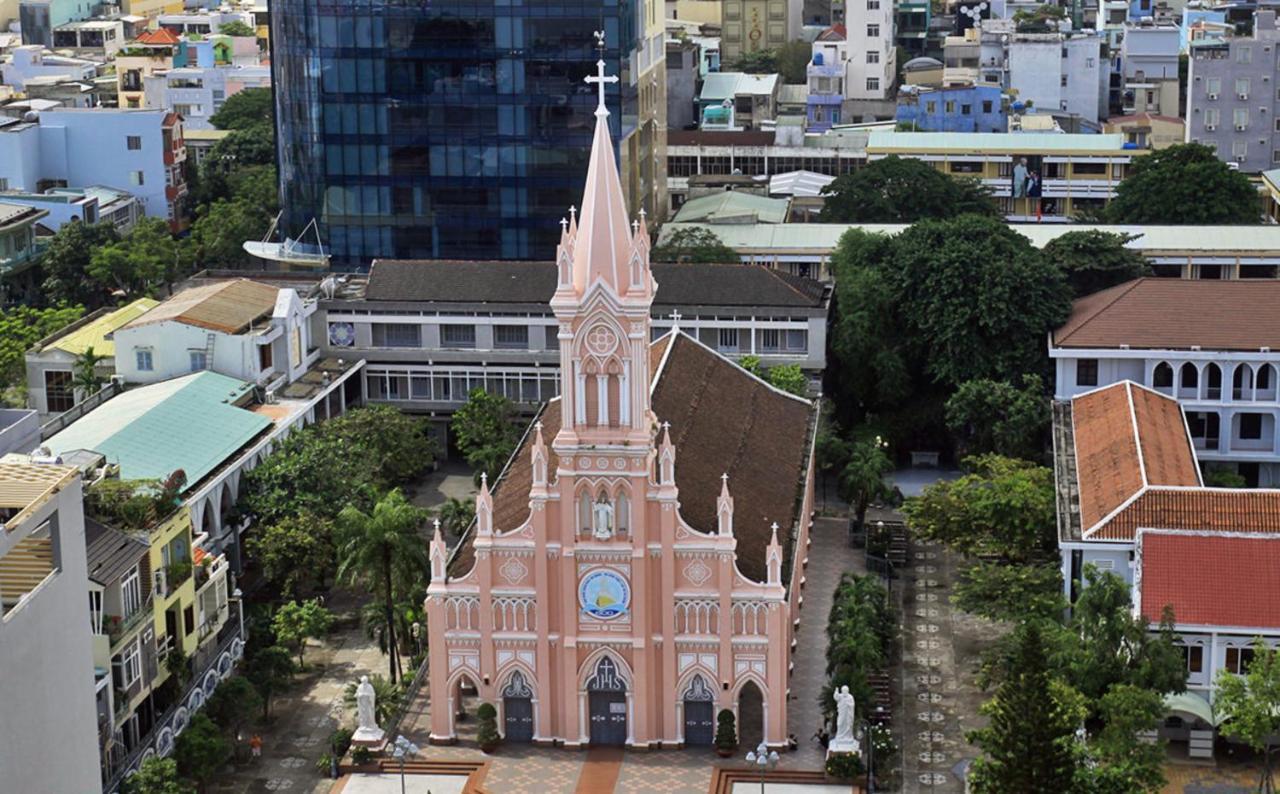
column 639, row 563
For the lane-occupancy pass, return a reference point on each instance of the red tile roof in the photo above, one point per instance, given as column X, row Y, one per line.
column 1127, row 438
column 723, row 420
column 1212, row 580
column 1207, row 509
column 159, row 37
column 1174, row 313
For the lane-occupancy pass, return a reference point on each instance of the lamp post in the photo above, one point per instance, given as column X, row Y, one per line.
column 868, row 726
column 400, row 750
column 238, row 596
column 763, row 759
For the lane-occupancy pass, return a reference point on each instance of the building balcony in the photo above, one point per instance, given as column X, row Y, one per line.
column 826, row 99
column 119, row 630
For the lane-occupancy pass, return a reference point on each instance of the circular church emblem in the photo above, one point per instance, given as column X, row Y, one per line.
column 604, row 594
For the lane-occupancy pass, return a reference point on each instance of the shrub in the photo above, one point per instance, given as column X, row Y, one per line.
column 726, row 730
column 361, row 755
column 845, row 766
column 487, row 732
column 340, row 741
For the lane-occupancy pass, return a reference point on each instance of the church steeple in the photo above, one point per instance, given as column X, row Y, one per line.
column 603, row 299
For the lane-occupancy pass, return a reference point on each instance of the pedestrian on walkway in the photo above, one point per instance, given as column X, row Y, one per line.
column 255, row 746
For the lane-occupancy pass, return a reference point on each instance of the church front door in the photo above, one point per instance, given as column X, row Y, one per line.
column 699, row 724
column 517, row 709
column 607, row 705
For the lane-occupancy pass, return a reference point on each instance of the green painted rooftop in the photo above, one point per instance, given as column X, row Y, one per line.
column 732, row 204
column 187, row 423
column 1014, row 142
column 95, row 334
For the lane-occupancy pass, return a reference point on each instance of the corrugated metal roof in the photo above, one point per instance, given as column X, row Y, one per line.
column 94, row 334
column 226, row 306
column 733, row 204
column 993, row 142
column 187, row 423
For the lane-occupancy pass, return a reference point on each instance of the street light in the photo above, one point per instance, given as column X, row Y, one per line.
column 400, row 750
column 868, row 727
column 763, row 758
column 238, row 595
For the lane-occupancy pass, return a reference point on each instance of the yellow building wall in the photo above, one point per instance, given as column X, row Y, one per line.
column 151, row 8
column 177, row 526
column 701, row 11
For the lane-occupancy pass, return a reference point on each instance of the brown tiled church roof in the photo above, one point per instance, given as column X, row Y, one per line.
column 723, row 421
column 1174, row 313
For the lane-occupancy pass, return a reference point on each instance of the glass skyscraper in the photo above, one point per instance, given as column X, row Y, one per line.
column 458, row 129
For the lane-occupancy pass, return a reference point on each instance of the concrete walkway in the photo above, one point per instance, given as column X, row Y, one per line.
column 830, row 556
column 305, row 715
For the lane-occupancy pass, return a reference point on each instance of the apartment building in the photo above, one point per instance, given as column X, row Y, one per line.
column 1231, row 95
column 1193, row 341
column 33, row 62
column 18, row 249
column 1149, row 69
column 1034, row 176
column 431, row 331
column 92, row 205
column 960, row 108
column 45, row 643
column 873, row 61
column 153, row 51
column 755, row 25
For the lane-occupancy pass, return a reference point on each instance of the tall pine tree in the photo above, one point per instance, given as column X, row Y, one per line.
column 1028, row 745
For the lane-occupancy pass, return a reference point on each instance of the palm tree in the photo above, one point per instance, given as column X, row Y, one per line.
column 387, row 697
column 863, row 477
column 456, row 515
column 85, row 377
column 380, row 549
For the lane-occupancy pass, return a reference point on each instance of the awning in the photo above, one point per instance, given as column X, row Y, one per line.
column 1193, row 704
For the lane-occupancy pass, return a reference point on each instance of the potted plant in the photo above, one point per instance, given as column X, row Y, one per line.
column 844, row 766
column 726, row 733
column 487, row 734
column 361, row 755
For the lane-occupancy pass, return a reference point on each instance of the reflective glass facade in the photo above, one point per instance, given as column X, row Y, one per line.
column 450, row 128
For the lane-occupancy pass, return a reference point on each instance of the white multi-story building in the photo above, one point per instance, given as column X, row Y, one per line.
column 140, row 151
column 47, row 678
column 33, row 61
column 873, row 63
column 196, row 92
column 243, row 329
column 1200, row 342
column 1060, row 72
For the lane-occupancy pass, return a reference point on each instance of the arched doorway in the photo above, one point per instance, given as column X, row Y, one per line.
column 464, row 697
column 607, row 704
column 699, row 713
column 517, row 709
column 750, row 715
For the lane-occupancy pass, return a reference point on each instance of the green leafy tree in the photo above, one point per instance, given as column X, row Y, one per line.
column 255, row 186
column 23, row 326
column 862, row 479
column 138, row 263
column 1043, row 18
column 270, row 670
column 860, row 630
column 244, row 146
column 996, row 416
column 156, row 776
column 1118, row 760
column 790, row 378
column 236, row 28
column 793, row 61
column 456, row 515
column 201, row 751
column 1251, row 703
column 220, row 231
column 1184, row 184
column 1093, row 260
column 398, row 443
column 1011, row 592
column 486, row 432
column 1029, row 744
column 1224, row 478
column 85, row 377
column 373, row 618
column 1110, row 646
column 902, row 190
column 64, row 261
column 234, row 704
column 487, row 731
column 752, row 364
column 1002, row 506
column 975, row 298
column 387, row 698
column 379, row 550
column 296, row 622
column 693, row 244
column 757, row 62
column 247, row 109
column 295, row 554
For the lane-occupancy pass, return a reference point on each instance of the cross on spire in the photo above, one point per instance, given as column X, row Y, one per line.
column 600, row 79
column 675, row 320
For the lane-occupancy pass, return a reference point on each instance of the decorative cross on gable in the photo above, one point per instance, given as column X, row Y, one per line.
column 600, row 79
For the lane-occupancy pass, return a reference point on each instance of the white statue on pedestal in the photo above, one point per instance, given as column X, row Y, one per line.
column 603, row 519
column 843, row 741
column 367, row 730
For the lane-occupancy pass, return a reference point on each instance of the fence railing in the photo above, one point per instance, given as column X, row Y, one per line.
column 392, row 728
column 56, row 425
